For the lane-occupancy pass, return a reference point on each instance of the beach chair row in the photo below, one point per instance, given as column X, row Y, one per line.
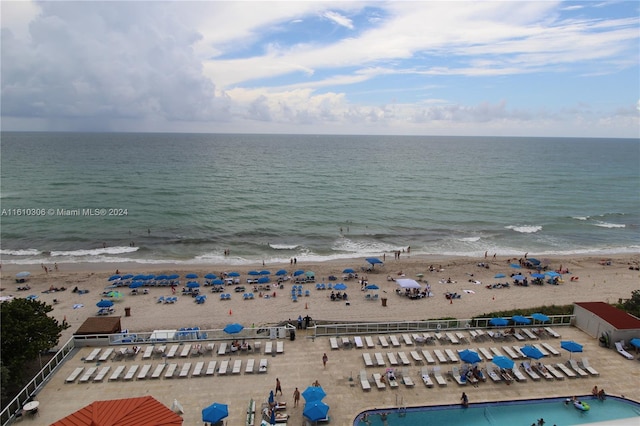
column 167, row 370
column 168, row 300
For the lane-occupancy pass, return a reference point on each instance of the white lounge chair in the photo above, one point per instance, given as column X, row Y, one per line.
column 197, row 370
column 74, row 375
column 550, row 348
column 451, row 355
column 526, row 366
column 87, row 375
column 237, row 366
column 131, row 372
column 379, row 359
column 369, row 341
column 392, row 358
column 93, row 355
column 416, row 357
column 588, row 368
column 383, row 341
column 105, row 355
column 102, row 373
column 172, row 351
column 377, row 378
column 486, row 353
column 346, row 343
column 407, row 339
column 455, row 375
column 184, row 372
column 542, row 371
column 552, row 332
column 357, row 340
column 224, row 367
column 211, row 368
column 622, row 351
column 493, row 375
column 144, row 371
column 279, row 347
column 542, row 349
column 406, row 378
column 510, row 352
column 518, row 374
column 439, row 377
column 427, row 355
column 566, row 371
column 461, row 337
column 529, row 334
column 157, row 372
column 171, row 370
column 185, row 351
column 452, row 338
column 222, row 349
column 394, row 341
column 367, row 359
column 441, row 358
column 268, row 348
column 147, row 352
column 426, row 379
column 495, row 351
column 262, row 367
column 403, row 358
column 573, row 364
column 555, row 373
column 333, row 341
column 116, row 373
column 249, row 367
column 364, row 381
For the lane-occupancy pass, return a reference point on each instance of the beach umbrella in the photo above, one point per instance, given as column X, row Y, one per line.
column 571, row 346
column 233, row 328
column 149, row 277
column 191, row 275
column 193, row 284
column 313, row 393
column 340, row 286
column 499, row 276
column 135, row 284
column 114, row 294
column 111, row 278
column 519, row 319
column 372, row 287
column 502, row 361
column 552, row 274
column 139, row 277
column 281, row 272
column 348, row 271
column 127, row 276
column 469, row 356
column 310, row 274
column 173, row 277
column 263, row 280
column 533, row 261
column 265, row 272
column 635, row 342
column 271, row 397
column 298, row 272
column 253, row 273
column 315, row 410
column 374, row 261
column 540, row 317
column 217, row 282
column 531, row 352
column 518, row 277
column 515, row 266
column 104, row 304
column 272, row 419
column 211, row 276
column 23, row 274
column 233, row 274
column 215, row 412
column 537, row 275
column 498, row 322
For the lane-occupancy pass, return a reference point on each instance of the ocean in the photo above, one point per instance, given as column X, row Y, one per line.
column 189, row 198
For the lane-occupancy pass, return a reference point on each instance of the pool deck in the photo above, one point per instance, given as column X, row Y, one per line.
column 301, row 364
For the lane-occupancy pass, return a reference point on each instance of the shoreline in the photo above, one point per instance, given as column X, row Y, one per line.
column 606, row 281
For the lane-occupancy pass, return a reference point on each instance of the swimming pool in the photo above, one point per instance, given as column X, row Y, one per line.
column 525, row 413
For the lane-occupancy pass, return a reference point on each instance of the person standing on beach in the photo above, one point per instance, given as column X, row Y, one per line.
column 325, row 358
column 278, row 386
column 296, row 397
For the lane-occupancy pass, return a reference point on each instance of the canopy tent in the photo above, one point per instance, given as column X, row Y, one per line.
column 140, row 411
column 373, row 261
column 408, row 283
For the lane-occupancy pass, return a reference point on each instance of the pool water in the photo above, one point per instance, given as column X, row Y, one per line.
column 511, row 413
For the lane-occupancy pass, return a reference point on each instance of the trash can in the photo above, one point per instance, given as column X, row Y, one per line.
column 292, row 334
column 127, row 312
column 384, row 301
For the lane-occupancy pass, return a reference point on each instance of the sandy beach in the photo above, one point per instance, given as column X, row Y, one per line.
column 595, row 279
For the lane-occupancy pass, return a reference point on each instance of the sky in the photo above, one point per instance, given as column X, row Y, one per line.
column 480, row 68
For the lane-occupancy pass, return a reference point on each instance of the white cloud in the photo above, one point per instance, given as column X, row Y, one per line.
column 338, row 19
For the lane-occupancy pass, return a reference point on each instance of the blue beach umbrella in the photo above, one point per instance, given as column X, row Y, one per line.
column 139, row 277
column 191, row 275
column 571, row 346
column 233, row 274
column 233, row 328
column 173, row 277
column 635, row 342
column 160, row 277
column 515, row 266
column 315, row 410
column 469, row 356
column 211, row 276
column 374, row 261
column 136, row 284
column 372, row 287
column 298, row 272
column 310, row 274
column 313, row 393
column 533, row 261
column 540, row 317
column 552, row 274
column 498, row 322
column 271, row 397
column 281, row 272
column 111, row 278
column 499, row 276
column 253, row 273
column 340, row 286
column 104, row 304
column 519, row 319
column 518, row 277
column 537, row 275
column 265, row 272
column 502, row 361
column 531, row 352
column 272, row 419
column 215, row 412
column 149, row 277
column 193, row 284
column 217, row 282
column 348, row 271
column 127, row 276
column 263, row 280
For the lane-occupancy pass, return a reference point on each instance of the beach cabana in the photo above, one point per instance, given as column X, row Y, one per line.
column 140, row 411
column 408, row 283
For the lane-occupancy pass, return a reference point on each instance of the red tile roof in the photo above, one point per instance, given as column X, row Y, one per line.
column 142, row 411
column 614, row 316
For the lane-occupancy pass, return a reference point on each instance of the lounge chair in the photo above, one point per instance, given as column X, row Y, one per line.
column 184, row 372
column 333, row 341
column 185, row 351
column 144, row 371
column 452, row 338
column 526, row 366
column 550, row 348
column 451, row 355
column 555, row 373
column 357, row 340
column 237, row 366
column 364, row 381
column 427, row 355
column 367, row 359
column 211, row 368
column 158, row 371
column 439, row 377
column 510, row 352
column 394, row 341
column 147, row 352
column 377, row 378
column 403, row 358
column 407, row 339
column 390, row 375
column 622, row 351
column 441, row 358
column 459, row 378
column 249, row 367
column 416, row 357
column 268, row 348
column 172, row 351
column 542, row 350
column 486, row 353
column 222, row 349
column 426, row 379
column 346, row 343
column 117, row 373
column 93, row 355
column 379, row 359
column 518, row 375
column 542, row 371
column 105, row 355
column 493, row 375
column 406, row 378
column 280, row 347
column 495, row 351
column 588, row 368
column 171, row 369
column 575, row 367
column 383, row 341
column 369, row 341
column 529, row 334
column 87, row 375
column 131, row 372
column 552, row 332
column 224, row 367
column 102, row 373
column 392, row 358
column 566, row 371
column 262, row 367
